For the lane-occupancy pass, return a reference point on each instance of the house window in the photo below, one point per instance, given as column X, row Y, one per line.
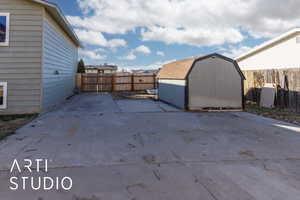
column 4, row 29
column 3, row 95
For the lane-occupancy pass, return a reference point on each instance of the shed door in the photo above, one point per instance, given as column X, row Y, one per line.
column 214, row 83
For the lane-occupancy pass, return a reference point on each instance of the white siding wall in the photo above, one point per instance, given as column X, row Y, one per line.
column 281, row 55
column 60, row 55
column 172, row 91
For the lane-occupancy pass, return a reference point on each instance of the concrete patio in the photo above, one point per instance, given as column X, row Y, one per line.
column 142, row 149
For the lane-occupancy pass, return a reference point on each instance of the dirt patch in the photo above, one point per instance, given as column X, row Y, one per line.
column 278, row 114
column 149, row 159
column 85, row 198
column 73, row 130
column 247, row 153
column 132, row 95
column 9, row 124
column 129, row 188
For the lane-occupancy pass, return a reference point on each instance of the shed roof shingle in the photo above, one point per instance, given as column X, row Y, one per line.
column 177, row 70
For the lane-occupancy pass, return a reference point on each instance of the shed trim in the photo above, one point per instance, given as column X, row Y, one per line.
column 181, row 69
column 220, row 56
column 187, row 74
column 171, row 78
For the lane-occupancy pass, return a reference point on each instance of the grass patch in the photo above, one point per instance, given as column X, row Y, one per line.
column 275, row 113
column 4, row 135
column 10, row 123
column 6, row 118
column 258, row 109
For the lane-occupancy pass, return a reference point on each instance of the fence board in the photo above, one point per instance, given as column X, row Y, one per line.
column 116, row 82
column 287, row 81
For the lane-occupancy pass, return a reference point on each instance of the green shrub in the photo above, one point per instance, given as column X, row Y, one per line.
column 7, row 118
column 81, row 68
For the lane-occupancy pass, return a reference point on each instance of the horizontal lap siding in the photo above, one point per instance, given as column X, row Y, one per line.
column 60, row 55
column 20, row 62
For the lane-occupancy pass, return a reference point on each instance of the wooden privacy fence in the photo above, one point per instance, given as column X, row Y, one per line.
column 287, row 81
column 116, row 82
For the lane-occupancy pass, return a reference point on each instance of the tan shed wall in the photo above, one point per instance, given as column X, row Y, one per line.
column 20, row 62
column 214, row 82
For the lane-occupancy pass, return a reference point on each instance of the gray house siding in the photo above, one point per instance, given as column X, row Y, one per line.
column 20, row 62
column 59, row 64
column 172, row 91
column 214, row 82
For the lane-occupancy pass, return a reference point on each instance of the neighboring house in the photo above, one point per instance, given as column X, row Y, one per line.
column 144, row 71
column 211, row 81
column 281, row 52
column 38, row 56
column 101, row 69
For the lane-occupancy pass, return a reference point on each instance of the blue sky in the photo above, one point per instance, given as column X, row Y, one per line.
column 147, row 34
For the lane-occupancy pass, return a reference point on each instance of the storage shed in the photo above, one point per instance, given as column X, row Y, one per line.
column 207, row 82
column 38, row 56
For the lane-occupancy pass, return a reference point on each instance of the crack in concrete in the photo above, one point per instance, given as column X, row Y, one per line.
column 157, row 174
column 208, row 190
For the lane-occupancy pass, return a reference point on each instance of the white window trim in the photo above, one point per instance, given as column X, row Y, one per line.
column 6, row 43
column 4, row 85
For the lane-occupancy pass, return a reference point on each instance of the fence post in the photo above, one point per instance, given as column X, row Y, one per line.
column 82, row 83
column 154, row 81
column 97, row 86
column 113, row 83
column 132, row 82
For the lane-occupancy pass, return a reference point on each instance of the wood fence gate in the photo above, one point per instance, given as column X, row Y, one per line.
column 100, row 83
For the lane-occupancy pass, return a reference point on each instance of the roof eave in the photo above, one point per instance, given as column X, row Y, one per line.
column 61, row 19
column 267, row 44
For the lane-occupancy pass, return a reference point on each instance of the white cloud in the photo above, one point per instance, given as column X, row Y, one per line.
column 97, row 39
column 192, row 36
column 140, row 49
column 94, row 55
column 155, row 65
column 233, row 52
column 130, row 57
column 160, row 53
column 143, row 49
column 114, row 43
column 188, row 21
column 100, row 50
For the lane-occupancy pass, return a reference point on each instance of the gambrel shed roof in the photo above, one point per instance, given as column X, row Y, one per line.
column 181, row 68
